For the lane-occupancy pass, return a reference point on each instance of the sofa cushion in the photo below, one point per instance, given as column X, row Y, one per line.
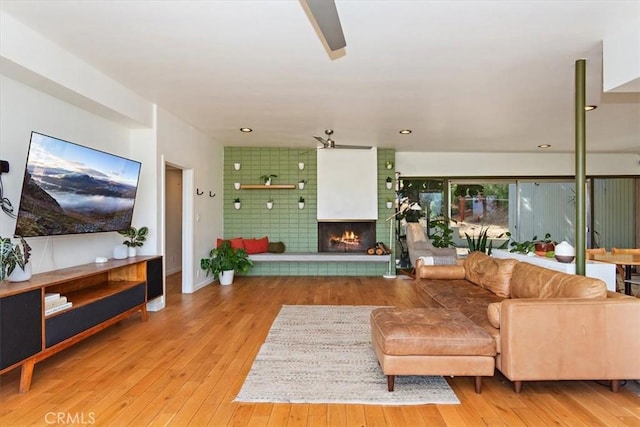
column 532, row 281
column 490, row 273
column 493, row 314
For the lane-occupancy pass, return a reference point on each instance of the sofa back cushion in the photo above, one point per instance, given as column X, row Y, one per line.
column 532, row 281
column 492, row 274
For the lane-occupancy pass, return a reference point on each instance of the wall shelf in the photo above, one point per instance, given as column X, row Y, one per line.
column 267, row 187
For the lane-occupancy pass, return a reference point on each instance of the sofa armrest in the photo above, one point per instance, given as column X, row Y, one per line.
column 553, row 339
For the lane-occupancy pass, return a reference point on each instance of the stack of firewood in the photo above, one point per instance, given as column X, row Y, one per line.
column 378, row 249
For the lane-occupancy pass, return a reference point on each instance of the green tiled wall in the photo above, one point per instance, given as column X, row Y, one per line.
column 285, row 222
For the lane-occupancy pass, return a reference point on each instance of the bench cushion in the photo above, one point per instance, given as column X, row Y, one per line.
column 429, row 332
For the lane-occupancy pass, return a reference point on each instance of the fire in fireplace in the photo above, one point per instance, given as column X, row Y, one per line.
column 346, row 236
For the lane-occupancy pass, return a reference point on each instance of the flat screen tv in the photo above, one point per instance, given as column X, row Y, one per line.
column 71, row 189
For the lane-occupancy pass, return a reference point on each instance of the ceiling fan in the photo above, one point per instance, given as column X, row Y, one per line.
column 324, row 15
column 331, row 144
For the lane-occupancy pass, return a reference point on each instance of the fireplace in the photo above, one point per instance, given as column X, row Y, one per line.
column 346, row 236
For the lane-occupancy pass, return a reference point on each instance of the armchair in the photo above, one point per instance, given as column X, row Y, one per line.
column 419, row 245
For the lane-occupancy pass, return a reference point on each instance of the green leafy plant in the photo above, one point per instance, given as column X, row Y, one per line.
column 267, row 178
column 236, row 200
column 389, row 179
column 440, row 234
column 479, row 243
column 301, row 199
column 224, row 258
column 521, row 247
column 135, row 237
column 12, row 255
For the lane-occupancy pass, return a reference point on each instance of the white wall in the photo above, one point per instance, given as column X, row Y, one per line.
column 512, row 164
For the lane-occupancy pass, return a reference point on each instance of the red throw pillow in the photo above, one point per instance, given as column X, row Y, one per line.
column 236, row 243
column 256, row 246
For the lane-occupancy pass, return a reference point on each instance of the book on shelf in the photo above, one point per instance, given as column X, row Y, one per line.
column 55, row 302
column 50, row 296
column 58, row 308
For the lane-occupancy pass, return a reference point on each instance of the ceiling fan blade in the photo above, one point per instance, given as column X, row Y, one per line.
column 324, row 143
column 325, row 14
column 353, row 147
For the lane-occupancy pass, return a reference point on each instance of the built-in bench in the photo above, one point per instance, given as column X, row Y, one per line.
column 318, row 257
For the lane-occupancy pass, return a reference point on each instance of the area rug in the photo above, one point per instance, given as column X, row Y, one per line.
column 323, row 354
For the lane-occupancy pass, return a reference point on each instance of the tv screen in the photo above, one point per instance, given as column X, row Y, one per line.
column 71, row 189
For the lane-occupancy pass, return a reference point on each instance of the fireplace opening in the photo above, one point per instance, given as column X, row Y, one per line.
column 346, row 236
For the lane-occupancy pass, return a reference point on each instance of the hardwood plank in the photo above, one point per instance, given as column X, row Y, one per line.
column 185, row 365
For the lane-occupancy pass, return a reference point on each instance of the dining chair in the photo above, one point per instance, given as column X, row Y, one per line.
column 628, row 251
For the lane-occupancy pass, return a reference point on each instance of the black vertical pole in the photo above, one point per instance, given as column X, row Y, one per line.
column 580, row 168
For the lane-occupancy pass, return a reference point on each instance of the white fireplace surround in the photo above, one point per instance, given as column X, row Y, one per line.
column 347, row 184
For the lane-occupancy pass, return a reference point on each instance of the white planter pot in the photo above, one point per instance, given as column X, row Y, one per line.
column 236, row 166
column 267, row 182
column 269, row 205
column 236, row 205
column 388, row 184
column 20, row 275
column 301, row 185
column 389, row 205
column 131, row 251
column 226, row 277
column 301, row 166
column 236, row 185
column 300, row 205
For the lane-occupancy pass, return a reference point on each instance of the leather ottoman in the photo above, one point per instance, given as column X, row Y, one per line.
column 431, row 341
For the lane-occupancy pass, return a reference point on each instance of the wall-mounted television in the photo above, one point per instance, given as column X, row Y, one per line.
column 72, row 189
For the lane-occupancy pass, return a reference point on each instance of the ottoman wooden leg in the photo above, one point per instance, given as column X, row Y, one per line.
column 390, row 380
column 478, row 384
column 517, row 386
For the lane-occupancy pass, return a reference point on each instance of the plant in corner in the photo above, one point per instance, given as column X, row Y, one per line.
column 14, row 255
column 224, row 260
column 266, row 179
column 440, row 234
column 479, row 243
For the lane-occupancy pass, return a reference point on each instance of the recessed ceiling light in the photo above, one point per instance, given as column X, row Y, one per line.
column 544, row 146
column 590, row 107
column 405, row 132
column 246, row 130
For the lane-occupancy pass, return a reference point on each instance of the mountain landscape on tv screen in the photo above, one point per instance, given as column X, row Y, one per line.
column 72, row 189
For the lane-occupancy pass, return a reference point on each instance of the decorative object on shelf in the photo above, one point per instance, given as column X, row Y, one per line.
column 14, row 260
column 224, row 261
column 405, row 206
column 266, row 179
column 389, row 182
column 236, row 203
column 270, row 204
column 564, row 252
column 198, row 192
column 301, row 184
column 545, row 247
column 388, row 164
column 236, row 166
column 135, row 238
column 389, row 203
column 301, row 165
column 236, row 185
column 301, row 203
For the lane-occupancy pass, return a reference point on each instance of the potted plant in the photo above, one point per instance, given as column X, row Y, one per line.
column 389, row 203
column 270, row 204
column 135, row 238
column 224, row 261
column 526, row 247
column 14, row 260
column 389, row 182
column 545, row 247
column 301, row 184
column 301, row 203
column 440, row 234
column 236, row 203
column 267, row 178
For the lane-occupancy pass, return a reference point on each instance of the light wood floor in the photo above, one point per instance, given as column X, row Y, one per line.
column 186, row 364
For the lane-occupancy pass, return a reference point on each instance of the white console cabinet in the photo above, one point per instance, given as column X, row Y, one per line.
column 599, row 270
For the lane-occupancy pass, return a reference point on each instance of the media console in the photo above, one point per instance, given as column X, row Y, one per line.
column 101, row 295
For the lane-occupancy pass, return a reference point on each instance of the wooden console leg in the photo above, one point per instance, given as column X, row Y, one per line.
column 517, row 386
column 25, row 375
column 615, row 385
column 390, row 382
column 143, row 312
column 478, row 384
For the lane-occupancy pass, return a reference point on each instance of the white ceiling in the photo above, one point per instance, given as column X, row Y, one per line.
column 493, row 76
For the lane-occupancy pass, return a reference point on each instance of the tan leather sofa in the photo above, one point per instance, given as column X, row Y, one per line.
column 547, row 325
